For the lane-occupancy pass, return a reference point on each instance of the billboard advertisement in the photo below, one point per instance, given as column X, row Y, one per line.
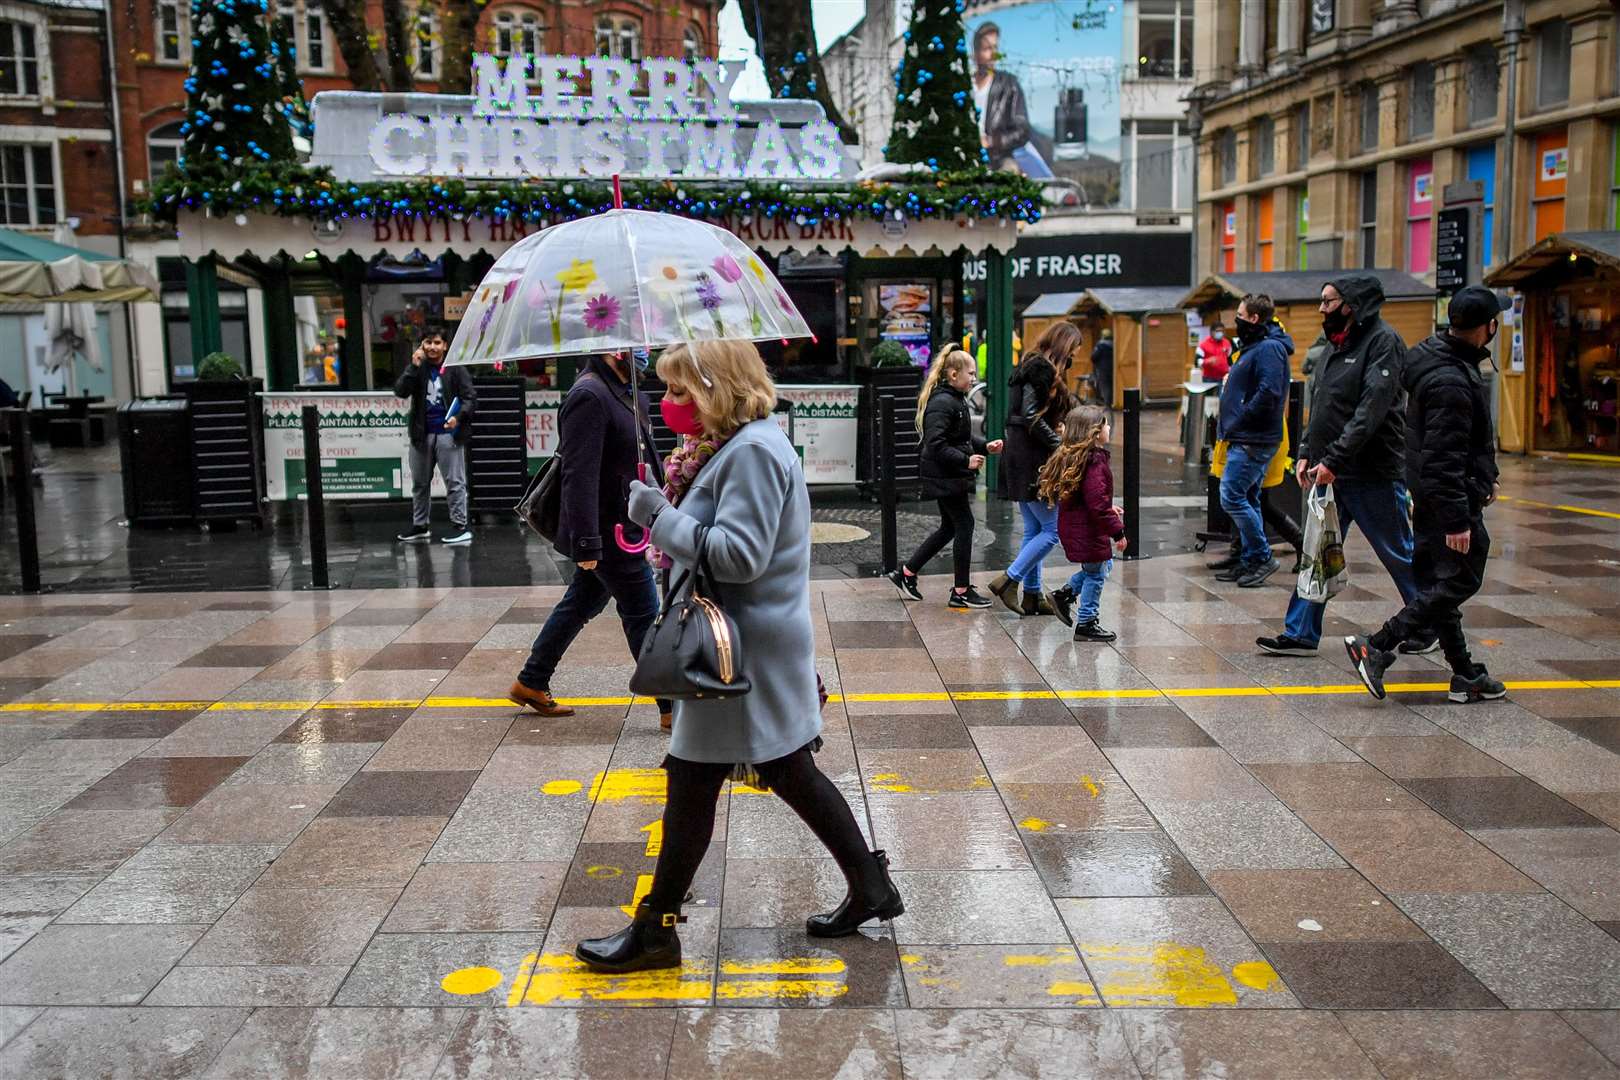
column 1046, row 87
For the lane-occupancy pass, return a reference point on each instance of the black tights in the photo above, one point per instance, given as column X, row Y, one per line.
column 694, row 788
column 956, row 529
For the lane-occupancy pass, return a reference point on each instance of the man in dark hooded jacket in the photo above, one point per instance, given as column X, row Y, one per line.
column 1254, row 398
column 1354, row 441
column 1451, row 470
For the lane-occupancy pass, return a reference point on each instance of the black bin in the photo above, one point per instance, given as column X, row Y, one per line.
column 154, row 448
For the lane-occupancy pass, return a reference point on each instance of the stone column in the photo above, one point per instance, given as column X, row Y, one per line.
column 1392, row 15
column 1252, row 37
column 1290, row 34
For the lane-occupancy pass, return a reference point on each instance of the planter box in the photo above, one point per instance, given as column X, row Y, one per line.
column 902, row 383
column 227, row 449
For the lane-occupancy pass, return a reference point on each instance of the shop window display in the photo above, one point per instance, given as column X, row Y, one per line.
column 1578, row 384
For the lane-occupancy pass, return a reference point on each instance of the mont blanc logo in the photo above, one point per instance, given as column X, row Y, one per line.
column 327, row 232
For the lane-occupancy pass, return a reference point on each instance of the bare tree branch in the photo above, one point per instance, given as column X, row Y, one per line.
column 784, row 35
column 398, row 26
column 348, row 21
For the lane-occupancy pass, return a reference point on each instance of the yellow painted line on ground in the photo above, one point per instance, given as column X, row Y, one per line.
column 805, row 965
column 780, row 989
column 974, row 695
column 1566, row 508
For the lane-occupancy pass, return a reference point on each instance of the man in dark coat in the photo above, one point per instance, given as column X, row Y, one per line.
column 1354, row 442
column 442, row 405
column 1102, row 368
column 1253, row 400
column 1451, row 470
column 597, row 441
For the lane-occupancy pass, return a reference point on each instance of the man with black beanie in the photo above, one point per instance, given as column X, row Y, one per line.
column 1451, row 473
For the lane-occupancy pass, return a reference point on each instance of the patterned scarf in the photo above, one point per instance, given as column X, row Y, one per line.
column 684, row 464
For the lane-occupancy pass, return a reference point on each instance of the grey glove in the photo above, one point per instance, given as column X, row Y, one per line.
column 646, row 503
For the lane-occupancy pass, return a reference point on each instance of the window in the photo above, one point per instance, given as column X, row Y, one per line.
column 1155, row 164
column 1552, row 63
column 1164, row 39
column 28, row 185
column 1265, row 232
column 164, row 146
column 1369, row 219
column 173, row 37
column 19, row 62
column 1419, row 216
column 307, row 34
column 618, row 36
column 1551, row 180
column 518, row 33
column 1302, row 135
column 1482, row 167
column 1265, row 149
column 425, row 46
column 1302, row 224
column 1368, row 101
column 692, row 47
column 1226, row 155
column 1482, row 82
column 1420, row 100
column 1227, row 227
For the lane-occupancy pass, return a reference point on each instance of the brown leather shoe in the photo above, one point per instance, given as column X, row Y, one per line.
column 540, row 701
column 666, row 721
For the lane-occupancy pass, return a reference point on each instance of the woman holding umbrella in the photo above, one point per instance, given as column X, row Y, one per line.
column 748, row 507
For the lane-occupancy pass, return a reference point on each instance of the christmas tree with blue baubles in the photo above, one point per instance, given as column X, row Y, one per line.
column 290, row 87
column 934, row 119
column 234, row 92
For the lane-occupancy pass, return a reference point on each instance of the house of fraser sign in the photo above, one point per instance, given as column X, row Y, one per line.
column 657, row 117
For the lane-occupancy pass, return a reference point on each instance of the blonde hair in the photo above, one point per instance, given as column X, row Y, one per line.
column 727, row 380
column 1060, row 477
column 954, row 358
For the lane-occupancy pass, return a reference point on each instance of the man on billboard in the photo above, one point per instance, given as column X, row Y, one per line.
column 1004, row 127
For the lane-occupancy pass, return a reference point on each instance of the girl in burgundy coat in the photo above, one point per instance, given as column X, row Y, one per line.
column 1078, row 480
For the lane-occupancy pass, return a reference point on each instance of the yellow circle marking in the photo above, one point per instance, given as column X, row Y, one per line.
column 561, row 787
column 470, row 981
column 603, row 871
column 1256, row 975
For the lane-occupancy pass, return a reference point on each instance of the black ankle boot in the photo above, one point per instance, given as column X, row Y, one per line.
column 872, row 895
column 649, row 942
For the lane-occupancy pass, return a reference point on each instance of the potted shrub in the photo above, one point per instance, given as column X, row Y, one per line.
column 219, row 367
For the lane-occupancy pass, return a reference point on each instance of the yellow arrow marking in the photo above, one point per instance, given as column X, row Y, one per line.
column 780, row 988
column 1093, row 788
column 643, row 887
column 802, row 965
column 558, row 977
column 655, row 837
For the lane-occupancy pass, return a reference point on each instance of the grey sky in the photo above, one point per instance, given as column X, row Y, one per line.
column 833, row 17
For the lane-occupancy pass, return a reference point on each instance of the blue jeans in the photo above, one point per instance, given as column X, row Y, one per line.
column 1380, row 508
column 627, row 579
column 1240, row 497
column 1087, row 583
column 1040, row 537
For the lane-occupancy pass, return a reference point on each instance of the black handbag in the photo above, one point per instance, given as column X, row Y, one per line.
column 541, row 506
column 692, row 650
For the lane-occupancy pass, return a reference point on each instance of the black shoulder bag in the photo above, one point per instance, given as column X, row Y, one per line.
column 692, row 650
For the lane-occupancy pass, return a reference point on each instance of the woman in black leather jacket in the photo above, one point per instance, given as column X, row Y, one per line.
column 1036, row 401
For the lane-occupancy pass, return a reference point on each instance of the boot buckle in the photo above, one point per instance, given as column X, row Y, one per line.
column 669, row 919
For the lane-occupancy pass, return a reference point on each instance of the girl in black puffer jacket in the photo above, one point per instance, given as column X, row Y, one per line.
column 950, row 462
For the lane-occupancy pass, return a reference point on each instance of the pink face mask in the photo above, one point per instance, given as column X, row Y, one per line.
column 681, row 419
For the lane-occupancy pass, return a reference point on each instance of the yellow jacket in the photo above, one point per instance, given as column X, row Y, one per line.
column 1280, row 461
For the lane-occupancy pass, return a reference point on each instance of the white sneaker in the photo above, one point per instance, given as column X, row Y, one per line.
column 462, row 535
column 416, row 534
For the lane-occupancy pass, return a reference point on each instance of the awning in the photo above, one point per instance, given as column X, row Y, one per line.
column 1298, row 286
column 1052, row 304
column 1602, row 248
column 35, row 270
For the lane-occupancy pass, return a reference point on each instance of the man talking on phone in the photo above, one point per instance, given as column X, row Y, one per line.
column 442, row 404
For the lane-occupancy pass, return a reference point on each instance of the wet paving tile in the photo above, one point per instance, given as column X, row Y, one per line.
column 559, row 1042
column 497, row 823
column 1601, row 731
column 938, row 1044
column 1376, row 975
column 356, row 852
column 345, row 725
column 1146, row 727
column 952, row 831
column 1043, row 755
column 478, row 897
column 304, row 764
column 1447, row 1045
column 772, row 893
column 1497, row 803
column 250, row 985
column 93, row 965
column 151, row 782
column 173, row 883
column 84, row 840
column 996, row 976
column 454, row 970
column 111, row 724
column 1580, row 865
column 438, row 739
column 613, row 875
column 250, row 814
column 1257, row 1044
column 138, row 1044
column 885, row 634
column 411, row 793
column 1244, row 836
column 1532, row 951
column 1171, row 951
column 745, row 1043
column 237, row 656
column 1600, row 1028
column 928, row 772
column 224, row 733
column 1311, row 906
column 1187, row 775
column 412, row 656
column 297, row 927
column 1025, row 712
column 336, row 1044
column 783, row 968
column 29, row 902
column 589, row 726
column 975, row 907
column 1334, row 786
column 1415, row 851
column 1112, row 862
column 941, row 728
column 1100, row 801
column 1431, row 756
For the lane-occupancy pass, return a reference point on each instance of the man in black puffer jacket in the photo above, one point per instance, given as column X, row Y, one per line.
column 1354, row 442
column 1451, row 470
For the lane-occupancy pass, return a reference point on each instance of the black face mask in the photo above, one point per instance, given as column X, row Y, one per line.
column 1492, row 335
column 1250, row 332
column 1334, row 322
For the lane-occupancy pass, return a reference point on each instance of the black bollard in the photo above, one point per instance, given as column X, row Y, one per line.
column 22, row 459
column 1133, row 474
column 887, row 496
column 315, row 506
column 1296, row 431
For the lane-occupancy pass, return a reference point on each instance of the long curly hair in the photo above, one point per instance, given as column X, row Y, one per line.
column 1083, row 432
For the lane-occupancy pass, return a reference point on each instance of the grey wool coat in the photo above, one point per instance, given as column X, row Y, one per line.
column 753, row 497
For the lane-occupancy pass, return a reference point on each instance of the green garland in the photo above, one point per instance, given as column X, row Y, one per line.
column 292, row 190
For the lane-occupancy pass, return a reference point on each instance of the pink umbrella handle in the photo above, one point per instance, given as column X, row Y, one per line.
column 618, row 530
